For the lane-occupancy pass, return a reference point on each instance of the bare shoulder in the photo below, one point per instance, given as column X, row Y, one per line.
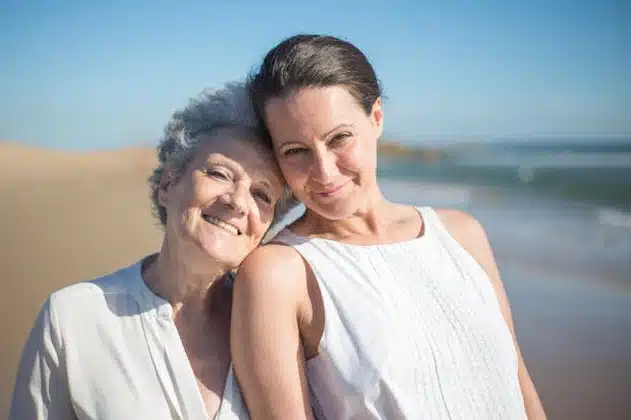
column 465, row 228
column 272, row 269
column 266, row 338
column 470, row 234
column 278, row 261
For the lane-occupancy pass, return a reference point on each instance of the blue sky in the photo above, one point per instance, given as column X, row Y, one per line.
column 90, row 74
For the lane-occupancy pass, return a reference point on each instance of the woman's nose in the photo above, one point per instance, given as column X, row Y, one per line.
column 236, row 200
column 323, row 168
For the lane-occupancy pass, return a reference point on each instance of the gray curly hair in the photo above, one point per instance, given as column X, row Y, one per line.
column 187, row 129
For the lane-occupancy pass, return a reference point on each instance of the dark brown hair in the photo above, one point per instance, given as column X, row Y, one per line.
column 313, row 61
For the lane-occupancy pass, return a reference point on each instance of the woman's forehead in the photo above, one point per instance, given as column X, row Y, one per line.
column 238, row 143
column 309, row 109
column 242, row 151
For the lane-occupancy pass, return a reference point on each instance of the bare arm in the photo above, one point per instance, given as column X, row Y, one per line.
column 471, row 235
column 269, row 294
column 41, row 387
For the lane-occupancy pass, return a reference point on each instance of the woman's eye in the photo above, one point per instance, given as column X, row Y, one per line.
column 294, row 151
column 215, row 173
column 339, row 139
column 261, row 195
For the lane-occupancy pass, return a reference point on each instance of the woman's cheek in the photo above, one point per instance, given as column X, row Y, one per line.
column 293, row 168
column 351, row 159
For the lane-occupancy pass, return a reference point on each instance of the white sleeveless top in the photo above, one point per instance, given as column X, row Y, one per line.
column 413, row 330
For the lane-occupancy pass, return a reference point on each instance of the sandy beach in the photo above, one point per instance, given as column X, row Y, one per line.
column 68, row 217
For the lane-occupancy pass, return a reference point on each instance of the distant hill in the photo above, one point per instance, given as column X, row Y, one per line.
column 392, row 148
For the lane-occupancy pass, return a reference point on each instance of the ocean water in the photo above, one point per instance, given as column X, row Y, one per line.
column 560, row 211
column 593, row 172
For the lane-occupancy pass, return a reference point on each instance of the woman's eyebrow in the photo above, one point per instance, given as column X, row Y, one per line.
column 337, row 127
column 325, row 135
column 263, row 183
column 239, row 170
column 224, row 162
column 285, row 143
column 270, row 188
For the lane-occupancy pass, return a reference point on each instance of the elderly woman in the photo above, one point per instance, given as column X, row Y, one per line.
column 151, row 341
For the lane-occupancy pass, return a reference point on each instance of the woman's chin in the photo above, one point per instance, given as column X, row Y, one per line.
column 220, row 254
column 335, row 211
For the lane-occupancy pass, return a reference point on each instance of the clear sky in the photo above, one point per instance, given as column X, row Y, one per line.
column 102, row 74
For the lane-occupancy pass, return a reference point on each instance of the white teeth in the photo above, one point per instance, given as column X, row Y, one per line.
column 218, row 222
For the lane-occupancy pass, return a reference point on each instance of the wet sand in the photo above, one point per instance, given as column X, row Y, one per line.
column 68, row 217
column 576, row 340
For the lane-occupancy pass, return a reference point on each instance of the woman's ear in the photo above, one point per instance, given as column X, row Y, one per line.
column 376, row 115
column 166, row 179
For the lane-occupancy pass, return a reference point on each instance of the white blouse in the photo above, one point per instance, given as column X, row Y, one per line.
column 109, row 349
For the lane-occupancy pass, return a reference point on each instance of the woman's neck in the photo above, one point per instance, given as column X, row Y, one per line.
column 184, row 281
column 372, row 220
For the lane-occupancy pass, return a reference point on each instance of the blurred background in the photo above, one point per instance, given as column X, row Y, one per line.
column 518, row 112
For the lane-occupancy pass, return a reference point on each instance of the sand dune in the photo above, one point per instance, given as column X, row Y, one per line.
column 66, row 217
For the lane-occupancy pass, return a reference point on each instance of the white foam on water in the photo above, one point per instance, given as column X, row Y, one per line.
column 549, row 160
column 614, row 218
column 427, row 193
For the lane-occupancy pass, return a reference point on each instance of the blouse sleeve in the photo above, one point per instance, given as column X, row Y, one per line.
column 41, row 387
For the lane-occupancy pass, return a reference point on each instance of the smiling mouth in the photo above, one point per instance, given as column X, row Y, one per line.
column 220, row 223
column 331, row 191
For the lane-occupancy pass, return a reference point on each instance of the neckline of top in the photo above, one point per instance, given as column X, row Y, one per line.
column 427, row 232
column 162, row 307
